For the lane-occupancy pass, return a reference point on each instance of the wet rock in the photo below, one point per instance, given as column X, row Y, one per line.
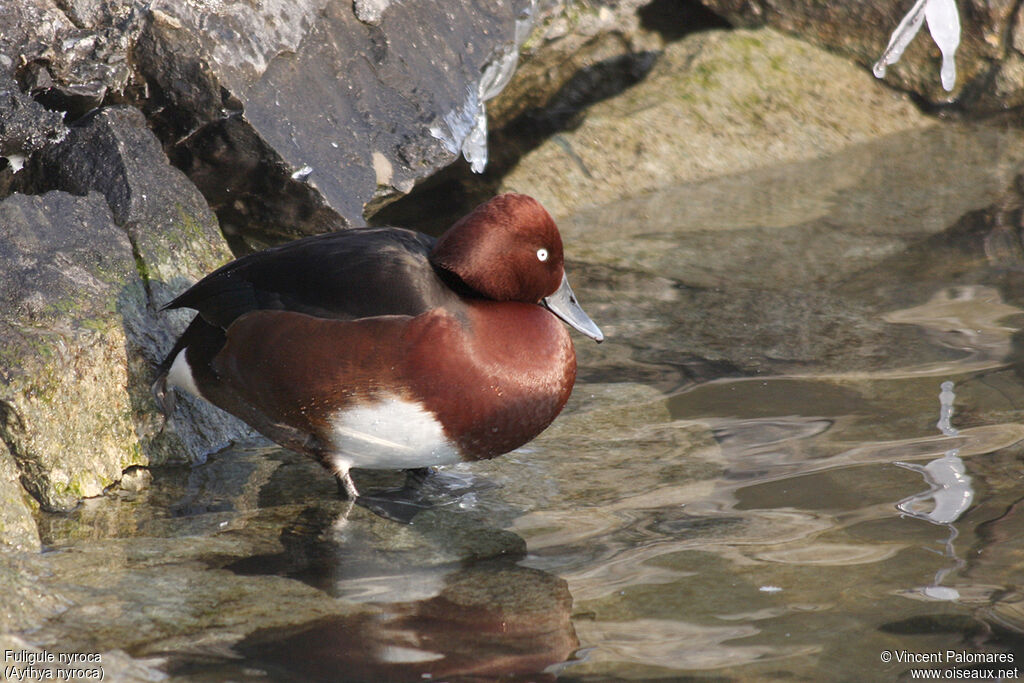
column 989, row 60
column 294, row 117
column 25, row 125
column 716, row 103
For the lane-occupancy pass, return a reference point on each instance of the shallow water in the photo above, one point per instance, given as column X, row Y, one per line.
column 756, row 478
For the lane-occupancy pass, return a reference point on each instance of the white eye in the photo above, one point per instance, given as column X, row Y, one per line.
column 542, row 254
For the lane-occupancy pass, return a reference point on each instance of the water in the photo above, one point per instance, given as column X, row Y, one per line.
column 798, row 453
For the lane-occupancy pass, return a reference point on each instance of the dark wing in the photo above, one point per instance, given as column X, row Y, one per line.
column 355, row 273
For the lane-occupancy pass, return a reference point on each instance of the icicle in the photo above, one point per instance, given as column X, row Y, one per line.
column 900, row 38
column 944, row 27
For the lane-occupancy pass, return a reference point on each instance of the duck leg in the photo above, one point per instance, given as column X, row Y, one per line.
column 346, row 487
column 402, row 504
column 165, row 400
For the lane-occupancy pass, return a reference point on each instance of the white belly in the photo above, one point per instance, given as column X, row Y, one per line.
column 391, row 434
column 180, row 375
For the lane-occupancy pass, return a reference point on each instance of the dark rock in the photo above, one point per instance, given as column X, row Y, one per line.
column 57, row 61
column 69, row 54
column 25, row 125
column 295, row 120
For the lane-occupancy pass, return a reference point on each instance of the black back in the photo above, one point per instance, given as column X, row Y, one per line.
column 344, row 275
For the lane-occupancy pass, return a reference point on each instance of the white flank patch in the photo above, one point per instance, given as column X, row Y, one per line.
column 391, row 435
column 395, row 654
column 180, row 375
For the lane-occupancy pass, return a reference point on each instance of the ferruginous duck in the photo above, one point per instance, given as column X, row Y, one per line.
column 385, row 348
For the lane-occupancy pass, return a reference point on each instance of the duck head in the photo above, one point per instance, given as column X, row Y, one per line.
column 509, row 249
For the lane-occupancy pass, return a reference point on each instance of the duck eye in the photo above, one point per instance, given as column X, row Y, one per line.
column 542, row 254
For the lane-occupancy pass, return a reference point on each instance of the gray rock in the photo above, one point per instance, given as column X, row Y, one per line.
column 82, row 279
column 293, row 118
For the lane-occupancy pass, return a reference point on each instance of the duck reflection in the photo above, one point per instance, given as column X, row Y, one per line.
column 444, row 598
column 491, row 620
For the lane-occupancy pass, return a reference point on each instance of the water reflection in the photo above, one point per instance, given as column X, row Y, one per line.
column 487, row 621
column 443, row 599
column 949, row 496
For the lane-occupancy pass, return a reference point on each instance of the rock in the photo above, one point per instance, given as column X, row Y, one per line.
column 68, row 55
column 64, row 412
column 26, row 604
column 25, row 125
column 989, row 60
column 569, row 41
column 175, row 240
column 17, row 527
column 577, row 55
column 716, row 103
column 298, row 117
column 83, row 279
column 778, row 270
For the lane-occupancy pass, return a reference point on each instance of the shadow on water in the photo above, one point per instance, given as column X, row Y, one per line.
column 800, row 447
